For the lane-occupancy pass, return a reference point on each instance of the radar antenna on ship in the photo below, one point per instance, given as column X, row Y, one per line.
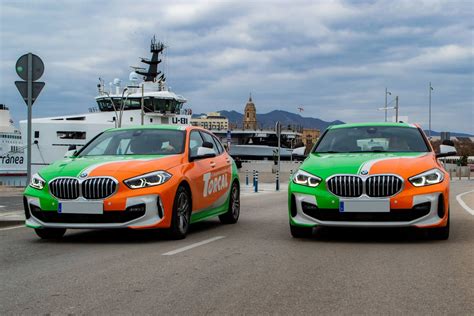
column 156, row 48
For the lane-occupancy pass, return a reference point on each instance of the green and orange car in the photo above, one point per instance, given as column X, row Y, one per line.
column 371, row 175
column 139, row 177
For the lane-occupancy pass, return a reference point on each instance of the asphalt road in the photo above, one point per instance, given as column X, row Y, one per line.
column 12, row 202
column 253, row 267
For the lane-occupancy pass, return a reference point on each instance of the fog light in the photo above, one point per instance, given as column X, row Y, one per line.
column 136, row 208
column 308, row 207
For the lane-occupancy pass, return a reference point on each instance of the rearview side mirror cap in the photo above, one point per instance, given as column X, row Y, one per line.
column 203, row 152
column 448, row 142
column 70, row 153
column 447, row 150
column 447, row 154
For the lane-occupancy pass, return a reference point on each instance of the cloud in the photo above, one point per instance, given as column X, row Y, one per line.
column 333, row 57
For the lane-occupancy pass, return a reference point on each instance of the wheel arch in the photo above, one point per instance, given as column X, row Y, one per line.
column 184, row 183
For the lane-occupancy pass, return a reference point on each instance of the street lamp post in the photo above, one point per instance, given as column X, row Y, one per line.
column 142, row 113
column 113, row 106
column 396, row 109
column 429, row 116
column 121, row 107
column 386, row 93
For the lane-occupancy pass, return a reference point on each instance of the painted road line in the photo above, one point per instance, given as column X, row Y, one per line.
column 463, row 204
column 14, row 227
column 2, row 206
column 173, row 252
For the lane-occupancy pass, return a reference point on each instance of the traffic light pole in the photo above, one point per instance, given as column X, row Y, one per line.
column 29, row 105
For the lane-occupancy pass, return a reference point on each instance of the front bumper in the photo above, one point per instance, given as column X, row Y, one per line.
column 427, row 211
column 144, row 211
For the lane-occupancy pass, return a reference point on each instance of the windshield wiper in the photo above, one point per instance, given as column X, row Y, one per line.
column 370, row 151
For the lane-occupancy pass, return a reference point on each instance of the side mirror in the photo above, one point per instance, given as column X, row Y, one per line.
column 208, row 145
column 448, row 142
column 70, row 153
column 299, row 153
column 204, row 152
column 446, row 149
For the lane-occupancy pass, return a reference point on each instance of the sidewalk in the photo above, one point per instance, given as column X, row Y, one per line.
column 262, row 188
column 12, row 218
column 11, row 213
column 11, row 191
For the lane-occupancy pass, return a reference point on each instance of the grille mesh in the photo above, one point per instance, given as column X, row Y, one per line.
column 93, row 188
column 346, row 186
column 65, row 188
column 98, row 188
column 373, row 186
column 382, row 186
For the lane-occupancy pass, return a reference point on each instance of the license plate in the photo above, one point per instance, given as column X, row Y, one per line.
column 79, row 207
column 364, row 206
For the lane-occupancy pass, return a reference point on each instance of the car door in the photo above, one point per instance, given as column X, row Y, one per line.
column 217, row 183
column 198, row 173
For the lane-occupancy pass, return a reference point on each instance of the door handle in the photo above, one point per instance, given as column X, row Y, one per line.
column 213, row 164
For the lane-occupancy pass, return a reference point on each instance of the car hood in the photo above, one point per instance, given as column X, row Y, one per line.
column 119, row 167
column 403, row 164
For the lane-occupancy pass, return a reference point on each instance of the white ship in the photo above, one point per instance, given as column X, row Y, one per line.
column 146, row 101
column 12, row 158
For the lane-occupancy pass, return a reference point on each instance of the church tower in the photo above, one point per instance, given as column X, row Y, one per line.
column 250, row 115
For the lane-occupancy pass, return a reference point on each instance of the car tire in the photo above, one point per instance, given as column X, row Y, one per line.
column 441, row 233
column 301, row 232
column 181, row 218
column 50, row 233
column 233, row 210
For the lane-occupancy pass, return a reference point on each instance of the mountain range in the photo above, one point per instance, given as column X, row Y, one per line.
column 267, row 120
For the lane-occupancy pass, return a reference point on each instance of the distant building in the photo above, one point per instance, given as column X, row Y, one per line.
column 310, row 136
column 250, row 115
column 211, row 121
column 445, row 136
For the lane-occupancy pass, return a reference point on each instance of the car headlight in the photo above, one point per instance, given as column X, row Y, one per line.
column 433, row 176
column 37, row 182
column 305, row 178
column 148, row 180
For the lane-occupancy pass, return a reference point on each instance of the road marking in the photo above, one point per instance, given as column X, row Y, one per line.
column 14, row 227
column 173, row 252
column 2, row 206
column 463, row 204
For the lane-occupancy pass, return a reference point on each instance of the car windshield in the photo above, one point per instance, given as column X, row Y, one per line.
column 136, row 142
column 371, row 139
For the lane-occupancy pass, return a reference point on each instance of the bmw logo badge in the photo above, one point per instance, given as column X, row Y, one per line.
column 364, row 172
column 83, row 175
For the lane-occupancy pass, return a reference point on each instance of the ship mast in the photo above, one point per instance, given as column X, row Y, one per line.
column 156, row 48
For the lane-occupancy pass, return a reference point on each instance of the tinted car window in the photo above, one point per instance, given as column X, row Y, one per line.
column 208, row 138
column 372, row 139
column 220, row 148
column 195, row 141
column 136, row 142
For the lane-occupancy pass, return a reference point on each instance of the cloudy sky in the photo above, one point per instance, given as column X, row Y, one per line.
column 333, row 58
